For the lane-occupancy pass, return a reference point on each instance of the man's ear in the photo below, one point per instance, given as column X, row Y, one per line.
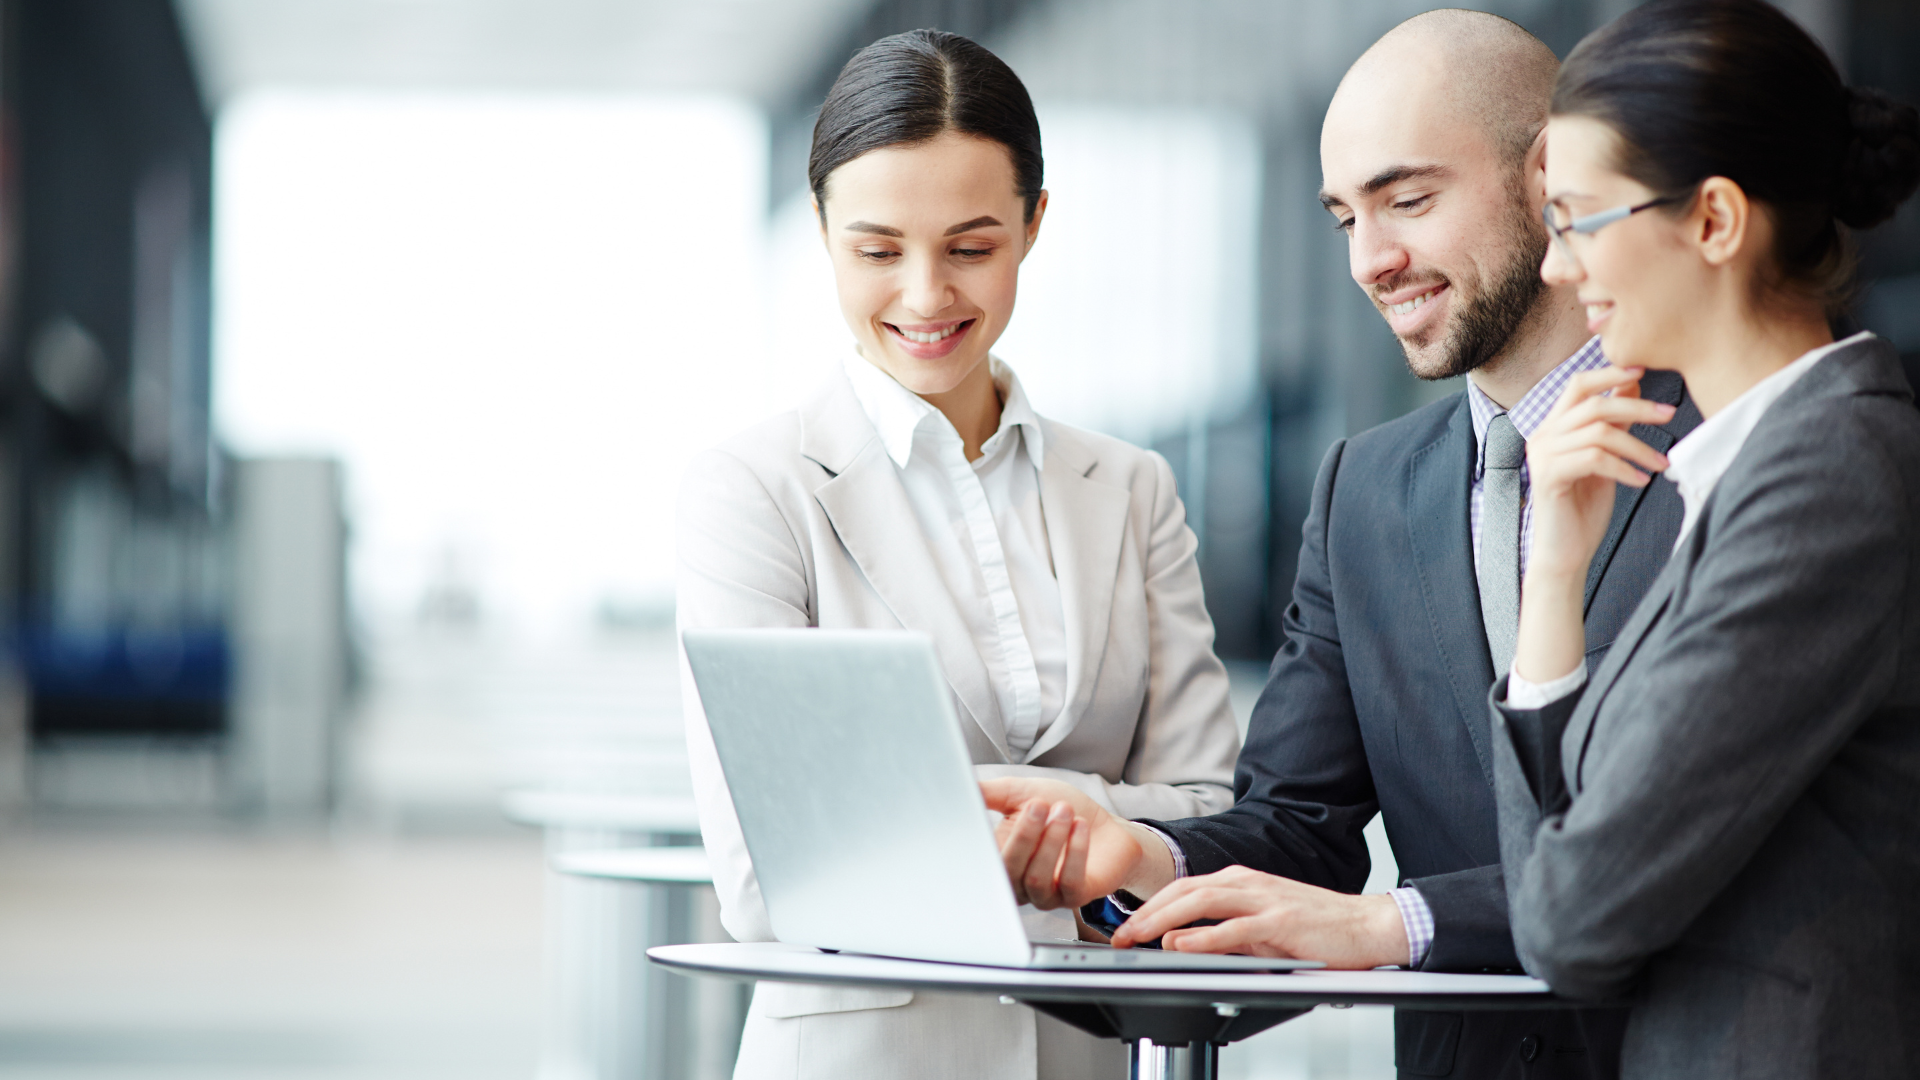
column 1722, row 220
column 1033, row 227
column 1533, row 170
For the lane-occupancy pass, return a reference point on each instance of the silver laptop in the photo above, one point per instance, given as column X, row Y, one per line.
column 859, row 806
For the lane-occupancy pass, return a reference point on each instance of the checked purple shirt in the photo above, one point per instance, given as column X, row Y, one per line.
column 1528, row 413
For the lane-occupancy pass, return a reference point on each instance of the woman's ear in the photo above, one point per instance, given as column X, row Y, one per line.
column 819, row 216
column 1033, row 227
column 1723, row 220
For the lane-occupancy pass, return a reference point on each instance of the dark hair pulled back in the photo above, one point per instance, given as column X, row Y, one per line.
column 912, row 87
column 1734, row 88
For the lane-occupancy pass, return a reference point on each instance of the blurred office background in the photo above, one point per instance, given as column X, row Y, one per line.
column 349, row 354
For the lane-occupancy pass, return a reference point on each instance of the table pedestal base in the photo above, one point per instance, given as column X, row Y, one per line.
column 1148, row 1060
column 1167, row 1042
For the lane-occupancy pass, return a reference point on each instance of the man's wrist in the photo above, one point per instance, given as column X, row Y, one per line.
column 1385, row 931
column 1156, row 869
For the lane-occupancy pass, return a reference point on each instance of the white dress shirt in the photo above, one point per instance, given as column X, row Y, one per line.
column 984, row 527
column 1695, row 464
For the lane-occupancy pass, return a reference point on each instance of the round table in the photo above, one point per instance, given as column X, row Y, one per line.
column 609, row 1013
column 1158, row 1014
column 651, row 866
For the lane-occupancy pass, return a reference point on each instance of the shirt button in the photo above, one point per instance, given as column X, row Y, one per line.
column 1529, row 1048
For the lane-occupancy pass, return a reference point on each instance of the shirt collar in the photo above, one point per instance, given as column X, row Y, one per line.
column 898, row 413
column 1697, row 462
column 1531, row 410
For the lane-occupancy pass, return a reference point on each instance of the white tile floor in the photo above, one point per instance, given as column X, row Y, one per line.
column 402, row 940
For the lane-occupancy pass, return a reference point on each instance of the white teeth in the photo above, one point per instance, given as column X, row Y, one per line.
column 1402, row 309
column 1594, row 311
column 928, row 339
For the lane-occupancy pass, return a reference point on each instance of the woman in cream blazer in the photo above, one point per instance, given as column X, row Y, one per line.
column 833, row 516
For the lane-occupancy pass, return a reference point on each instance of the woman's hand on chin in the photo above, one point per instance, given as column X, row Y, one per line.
column 1575, row 458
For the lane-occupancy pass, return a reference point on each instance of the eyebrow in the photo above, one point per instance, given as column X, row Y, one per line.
column 1386, row 178
column 980, row 222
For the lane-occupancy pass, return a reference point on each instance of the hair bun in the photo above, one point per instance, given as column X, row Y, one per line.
column 1882, row 163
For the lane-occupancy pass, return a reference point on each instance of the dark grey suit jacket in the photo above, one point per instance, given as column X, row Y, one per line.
column 1377, row 703
column 1727, row 819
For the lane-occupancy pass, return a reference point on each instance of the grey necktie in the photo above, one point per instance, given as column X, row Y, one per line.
column 1500, row 541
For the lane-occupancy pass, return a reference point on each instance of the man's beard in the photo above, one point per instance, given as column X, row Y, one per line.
column 1484, row 323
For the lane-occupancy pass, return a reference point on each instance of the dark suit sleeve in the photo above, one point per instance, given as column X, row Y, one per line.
column 1470, row 930
column 1303, row 791
column 1303, row 787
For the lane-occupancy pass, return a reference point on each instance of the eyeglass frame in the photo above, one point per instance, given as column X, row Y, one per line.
column 1588, row 224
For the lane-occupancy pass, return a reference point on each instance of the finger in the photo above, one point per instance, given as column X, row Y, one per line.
column 1629, row 447
column 1613, row 440
column 1018, row 848
column 1007, row 793
column 1592, row 384
column 1233, row 936
column 1209, row 902
column 1072, row 885
column 1595, row 462
column 1040, row 879
column 1621, row 411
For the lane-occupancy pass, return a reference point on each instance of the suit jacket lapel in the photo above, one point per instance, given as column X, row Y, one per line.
column 1652, row 607
column 1662, row 386
column 1438, row 478
column 1086, row 526
column 868, row 507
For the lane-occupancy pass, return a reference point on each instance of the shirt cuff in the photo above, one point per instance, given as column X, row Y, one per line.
column 1522, row 694
column 1179, row 857
column 1418, row 919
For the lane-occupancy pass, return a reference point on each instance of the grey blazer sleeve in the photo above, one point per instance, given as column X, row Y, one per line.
column 1765, row 645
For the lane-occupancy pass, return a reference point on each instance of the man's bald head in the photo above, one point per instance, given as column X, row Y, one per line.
column 1429, row 165
column 1487, row 70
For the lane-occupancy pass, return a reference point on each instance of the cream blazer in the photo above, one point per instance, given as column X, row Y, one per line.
column 803, row 521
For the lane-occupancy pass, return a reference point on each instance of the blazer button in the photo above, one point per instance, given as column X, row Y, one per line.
column 1529, row 1048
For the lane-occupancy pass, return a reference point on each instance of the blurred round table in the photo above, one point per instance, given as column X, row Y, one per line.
column 611, row 1016
column 651, row 866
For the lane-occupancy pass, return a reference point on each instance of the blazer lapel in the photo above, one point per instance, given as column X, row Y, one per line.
column 868, row 507
column 1086, row 526
column 1662, row 386
column 1438, row 477
column 1652, row 607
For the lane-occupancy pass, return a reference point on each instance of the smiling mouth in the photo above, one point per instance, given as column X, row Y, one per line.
column 920, row 338
column 1416, row 302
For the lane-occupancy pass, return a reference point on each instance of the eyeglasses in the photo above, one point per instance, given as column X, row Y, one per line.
column 1554, row 212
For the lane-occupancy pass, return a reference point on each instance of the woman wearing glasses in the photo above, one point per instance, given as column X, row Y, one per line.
column 1051, row 567
column 1722, row 823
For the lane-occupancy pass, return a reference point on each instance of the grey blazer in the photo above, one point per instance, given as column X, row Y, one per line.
column 1723, row 827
